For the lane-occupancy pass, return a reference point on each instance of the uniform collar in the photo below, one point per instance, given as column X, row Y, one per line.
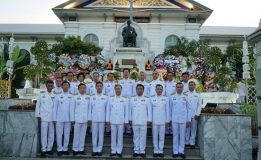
column 158, row 95
column 65, row 92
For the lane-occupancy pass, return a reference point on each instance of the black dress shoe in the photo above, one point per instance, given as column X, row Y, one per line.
column 59, row 153
column 143, row 155
column 183, row 156
column 82, row 153
column 175, row 155
column 99, row 154
column 155, row 155
column 107, row 133
column 66, row 153
column 187, row 145
column 192, row 146
column 75, row 153
column 43, row 154
column 49, row 152
column 113, row 154
column 161, row 155
column 119, row 155
column 94, row 154
column 135, row 155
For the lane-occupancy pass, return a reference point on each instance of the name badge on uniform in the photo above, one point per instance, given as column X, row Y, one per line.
column 108, row 85
column 61, row 102
column 61, row 97
column 121, row 101
column 78, row 103
column 78, row 98
column 163, row 100
column 174, row 99
column 143, row 100
column 87, row 98
column 52, row 97
column 154, row 100
column 94, row 98
column 102, row 98
column 43, row 96
column 135, row 99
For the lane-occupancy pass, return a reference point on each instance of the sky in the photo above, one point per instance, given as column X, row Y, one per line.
column 240, row 13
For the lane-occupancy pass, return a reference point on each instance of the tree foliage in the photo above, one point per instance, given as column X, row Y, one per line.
column 74, row 45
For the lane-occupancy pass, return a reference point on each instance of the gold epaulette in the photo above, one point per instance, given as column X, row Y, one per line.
column 185, row 94
column 42, row 91
column 173, row 93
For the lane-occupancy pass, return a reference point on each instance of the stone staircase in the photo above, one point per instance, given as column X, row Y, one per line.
column 193, row 154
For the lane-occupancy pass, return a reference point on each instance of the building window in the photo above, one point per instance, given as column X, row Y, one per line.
column 91, row 38
column 171, row 40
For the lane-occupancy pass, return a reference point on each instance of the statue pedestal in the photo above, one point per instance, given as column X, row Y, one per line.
column 127, row 57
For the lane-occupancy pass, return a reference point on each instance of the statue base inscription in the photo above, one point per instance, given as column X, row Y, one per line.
column 128, row 56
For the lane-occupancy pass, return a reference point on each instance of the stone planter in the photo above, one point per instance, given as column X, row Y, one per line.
column 226, row 137
column 18, row 134
column 6, row 103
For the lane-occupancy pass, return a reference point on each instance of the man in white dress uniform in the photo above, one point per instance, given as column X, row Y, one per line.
column 154, row 82
column 79, row 114
column 44, row 112
column 140, row 117
column 97, row 115
column 180, row 118
column 117, row 116
column 195, row 110
column 61, row 116
column 160, row 118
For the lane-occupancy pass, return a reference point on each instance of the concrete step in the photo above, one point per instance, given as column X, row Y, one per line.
column 126, row 156
column 129, row 140
column 128, row 149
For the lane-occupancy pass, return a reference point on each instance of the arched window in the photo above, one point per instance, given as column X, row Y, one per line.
column 91, row 38
column 171, row 40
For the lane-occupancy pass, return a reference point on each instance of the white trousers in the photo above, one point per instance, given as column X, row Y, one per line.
column 97, row 136
column 63, row 135
column 47, row 136
column 158, row 133
column 139, row 138
column 191, row 132
column 79, row 136
column 179, row 131
column 117, row 138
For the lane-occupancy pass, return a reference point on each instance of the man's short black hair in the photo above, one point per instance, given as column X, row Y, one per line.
column 69, row 73
column 58, row 78
column 126, row 69
column 81, row 84
column 192, row 82
column 185, row 73
column 159, row 85
column 139, row 85
column 49, row 82
column 66, row 82
column 110, row 74
column 80, row 74
column 99, row 82
column 117, row 85
column 96, row 73
column 179, row 83
column 170, row 73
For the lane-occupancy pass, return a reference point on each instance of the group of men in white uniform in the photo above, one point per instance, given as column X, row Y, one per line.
column 166, row 106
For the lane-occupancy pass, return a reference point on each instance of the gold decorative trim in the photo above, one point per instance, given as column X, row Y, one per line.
column 149, row 3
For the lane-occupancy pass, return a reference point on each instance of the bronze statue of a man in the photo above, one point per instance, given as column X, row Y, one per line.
column 129, row 35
